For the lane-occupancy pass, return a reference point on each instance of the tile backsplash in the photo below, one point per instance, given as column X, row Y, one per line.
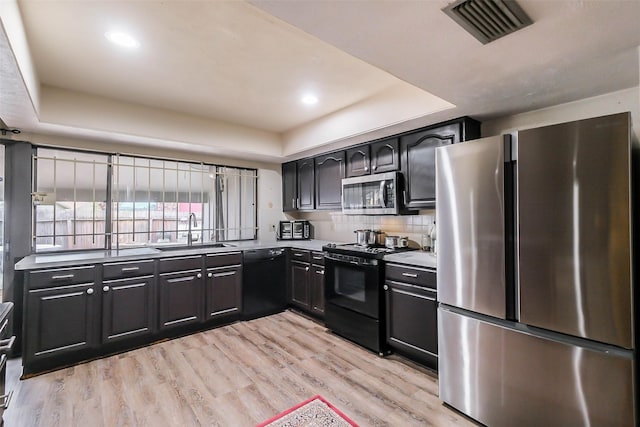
column 335, row 226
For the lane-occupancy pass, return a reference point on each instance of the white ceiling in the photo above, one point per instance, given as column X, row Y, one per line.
column 248, row 64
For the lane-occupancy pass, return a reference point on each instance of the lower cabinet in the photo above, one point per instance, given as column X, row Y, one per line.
column 412, row 321
column 316, row 286
column 223, row 292
column 306, row 288
column 61, row 321
column 180, row 297
column 128, row 308
column 300, row 284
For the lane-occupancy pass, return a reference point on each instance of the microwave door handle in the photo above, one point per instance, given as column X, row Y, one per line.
column 383, row 195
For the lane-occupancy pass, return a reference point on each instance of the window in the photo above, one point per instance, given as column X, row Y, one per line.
column 70, row 200
column 150, row 202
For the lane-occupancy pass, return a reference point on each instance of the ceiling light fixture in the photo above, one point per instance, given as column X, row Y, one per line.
column 122, row 39
column 309, row 99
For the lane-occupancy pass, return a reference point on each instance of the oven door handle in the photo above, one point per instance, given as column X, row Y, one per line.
column 343, row 261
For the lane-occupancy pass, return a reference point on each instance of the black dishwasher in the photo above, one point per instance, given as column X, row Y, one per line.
column 264, row 282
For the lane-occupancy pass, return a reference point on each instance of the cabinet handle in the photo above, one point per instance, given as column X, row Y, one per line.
column 130, row 269
column 7, row 345
column 293, row 202
column 306, row 269
column 366, row 168
column 404, row 196
column 199, row 275
column 105, row 289
column 210, row 275
column 410, row 275
column 374, row 167
column 320, row 272
column 62, row 277
column 385, row 287
column 5, row 399
column 317, row 257
column 297, row 254
column 89, row 291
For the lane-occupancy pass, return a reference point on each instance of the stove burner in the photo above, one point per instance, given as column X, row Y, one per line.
column 360, row 250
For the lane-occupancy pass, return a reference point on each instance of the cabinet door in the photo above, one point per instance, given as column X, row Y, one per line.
column 306, row 195
column 181, row 298
column 62, row 320
column 412, row 321
column 329, row 174
column 223, row 292
column 358, row 161
column 128, row 308
column 289, row 186
column 300, row 284
column 419, row 164
column 317, row 290
column 385, row 156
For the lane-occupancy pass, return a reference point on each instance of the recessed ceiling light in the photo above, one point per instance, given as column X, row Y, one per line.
column 121, row 39
column 309, row 99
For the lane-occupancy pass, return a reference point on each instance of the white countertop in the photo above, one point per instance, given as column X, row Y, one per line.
column 55, row 260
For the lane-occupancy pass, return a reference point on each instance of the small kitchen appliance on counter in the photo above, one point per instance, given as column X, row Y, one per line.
column 294, row 230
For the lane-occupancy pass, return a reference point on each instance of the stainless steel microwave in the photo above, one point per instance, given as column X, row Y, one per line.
column 377, row 194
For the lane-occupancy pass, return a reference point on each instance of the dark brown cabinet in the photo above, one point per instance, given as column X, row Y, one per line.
column 299, row 268
column 128, row 308
column 418, row 161
column 376, row 157
column 385, row 155
column 289, row 186
column 223, row 287
column 128, row 304
column 306, row 199
column 412, row 321
column 61, row 320
column 329, row 171
column 316, row 284
column 181, row 292
column 358, row 161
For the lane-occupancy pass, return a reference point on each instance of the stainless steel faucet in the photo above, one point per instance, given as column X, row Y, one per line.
column 195, row 224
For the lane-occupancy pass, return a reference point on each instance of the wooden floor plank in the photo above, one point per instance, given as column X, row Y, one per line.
column 236, row 375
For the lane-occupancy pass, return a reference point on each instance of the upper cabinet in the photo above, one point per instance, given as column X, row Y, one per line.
column 289, row 186
column 315, row 183
column 329, row 170
column 377, row 157
column 298, row 185
column 306, row 195
column 385, row 156
column 418, row 161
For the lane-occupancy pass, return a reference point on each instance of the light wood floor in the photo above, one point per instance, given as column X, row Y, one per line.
column 237, row 375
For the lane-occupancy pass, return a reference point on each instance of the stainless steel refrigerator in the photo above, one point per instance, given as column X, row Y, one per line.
column 536, row 314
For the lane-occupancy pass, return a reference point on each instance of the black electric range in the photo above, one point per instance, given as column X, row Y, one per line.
column 354, row 298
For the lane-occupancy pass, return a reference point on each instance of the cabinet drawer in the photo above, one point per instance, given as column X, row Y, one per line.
column 223, row 260
column 61, row 277
column 169, row 265
column 317, row 258
column 413, row 275
column 300, row 255
column 120, row 270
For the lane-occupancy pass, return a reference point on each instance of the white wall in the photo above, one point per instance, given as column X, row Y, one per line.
column 611, row 103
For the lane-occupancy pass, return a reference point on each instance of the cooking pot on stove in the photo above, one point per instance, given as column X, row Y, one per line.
column 393, row 242
column 365, row 237
column 369, row 237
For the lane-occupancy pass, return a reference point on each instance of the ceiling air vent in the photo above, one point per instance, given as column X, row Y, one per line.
column 488, row 20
